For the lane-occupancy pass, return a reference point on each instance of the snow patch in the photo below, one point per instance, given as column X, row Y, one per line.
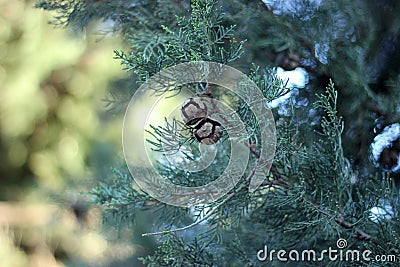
column 384, row 140
column 381, row 213
column 297, row 78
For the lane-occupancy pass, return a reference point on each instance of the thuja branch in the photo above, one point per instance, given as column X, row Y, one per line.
column 278, row 177
column 361, row 235
column 213, row 210
column 279, row 180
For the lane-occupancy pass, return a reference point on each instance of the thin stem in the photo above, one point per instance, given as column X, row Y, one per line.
column 361, row 235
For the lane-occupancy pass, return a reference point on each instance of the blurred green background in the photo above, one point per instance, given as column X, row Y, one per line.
column 54, row 132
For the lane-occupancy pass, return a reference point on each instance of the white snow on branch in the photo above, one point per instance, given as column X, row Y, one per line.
column 297, row 78
column 383, row 140
column 381, row 213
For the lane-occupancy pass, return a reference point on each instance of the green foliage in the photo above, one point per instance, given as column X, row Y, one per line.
column 127, row 16
column 199, row 37
column 170, row 138
column 321, row 186
column 119, row 197
column 174, row 251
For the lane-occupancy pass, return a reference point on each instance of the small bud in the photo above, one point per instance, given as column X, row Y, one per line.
column 208, row 131
column 193, row 110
